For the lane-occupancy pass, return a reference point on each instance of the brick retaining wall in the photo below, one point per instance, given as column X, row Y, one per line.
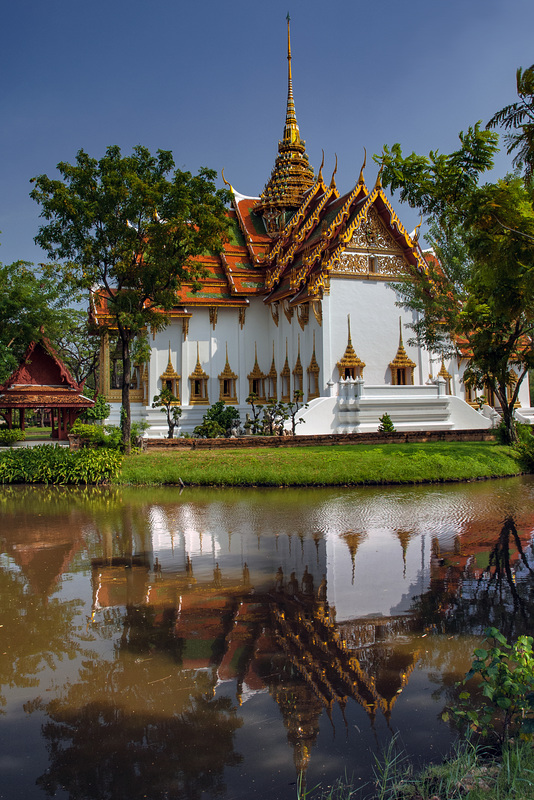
column 373, row 437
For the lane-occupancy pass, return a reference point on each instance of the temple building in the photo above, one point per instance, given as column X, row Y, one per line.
column 302, row 298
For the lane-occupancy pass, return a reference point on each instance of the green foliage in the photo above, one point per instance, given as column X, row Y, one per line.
column 107, row 436
column 293, row 408
column 518, row 117
column 131, row 225
column 386, row 425
column 275, row 413
column 253, row 425
column 481, row 288
column 168, row 404
column 97, row 435
column 507, row 674
column 218, row 420
column 100, row 411
column 438, row 184
column 58, row 465
column 28, row 302
column 9, row 437
column 78, row 349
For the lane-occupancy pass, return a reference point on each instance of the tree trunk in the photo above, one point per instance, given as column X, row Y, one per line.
column 126, row 420
column 507, row 409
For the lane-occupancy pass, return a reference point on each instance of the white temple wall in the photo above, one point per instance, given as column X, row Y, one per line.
column 374, row 322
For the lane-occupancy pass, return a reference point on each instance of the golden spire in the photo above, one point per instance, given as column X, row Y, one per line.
column 320, row 175
column 291, row 130
column 292, row 174
column 361, row 178
column 333, row 181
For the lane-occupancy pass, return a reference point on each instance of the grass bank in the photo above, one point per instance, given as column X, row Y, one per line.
column 339, row 465
column 471, row 773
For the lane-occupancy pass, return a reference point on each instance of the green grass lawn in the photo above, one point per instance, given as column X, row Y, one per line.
column 34, row 434
column 338, row 465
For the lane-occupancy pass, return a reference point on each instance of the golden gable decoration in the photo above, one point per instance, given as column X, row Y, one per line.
column 313, row 371
column 272, row 380
column 256, row 379
column 199, row 384
column 170, row 379
column 298, row 373
column 227, row 383
column 286, row 380
column 401, row 367
column 350, row 366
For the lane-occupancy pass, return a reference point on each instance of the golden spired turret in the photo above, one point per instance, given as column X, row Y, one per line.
column 292, row 175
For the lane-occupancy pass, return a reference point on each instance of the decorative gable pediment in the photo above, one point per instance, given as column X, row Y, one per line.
column 372, row 234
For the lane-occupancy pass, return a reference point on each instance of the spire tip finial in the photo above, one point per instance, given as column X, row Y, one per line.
column 361, row 178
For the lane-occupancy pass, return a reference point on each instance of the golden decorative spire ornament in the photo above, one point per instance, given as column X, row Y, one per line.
column 292, row 175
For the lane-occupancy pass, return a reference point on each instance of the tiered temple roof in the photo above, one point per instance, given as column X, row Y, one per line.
column 287, row 243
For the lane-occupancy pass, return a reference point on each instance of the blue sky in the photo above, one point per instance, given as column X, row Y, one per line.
column 208, row 80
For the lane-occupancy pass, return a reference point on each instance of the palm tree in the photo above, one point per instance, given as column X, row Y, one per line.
column 518, row 117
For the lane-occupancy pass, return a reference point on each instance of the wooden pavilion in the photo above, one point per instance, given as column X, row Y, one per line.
column 43, row 381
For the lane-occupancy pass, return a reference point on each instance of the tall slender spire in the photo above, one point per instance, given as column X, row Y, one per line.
column 291, row 130
column 292, row 174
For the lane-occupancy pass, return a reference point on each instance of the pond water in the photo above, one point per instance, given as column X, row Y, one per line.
column 221, row 643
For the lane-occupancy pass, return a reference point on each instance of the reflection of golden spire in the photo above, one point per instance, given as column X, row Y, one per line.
column 353, row 541
column 404, row 539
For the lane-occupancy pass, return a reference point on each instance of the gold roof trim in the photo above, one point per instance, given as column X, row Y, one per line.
column 401, row 358
column 272, row 372
column 170, row 373
column 313, row 366
column 198, row 372
column 350, row 359
column 292, row 174
column 286, row 372
column 227, row 373
column 298, row 370
column 444, row 372
column 256, row 371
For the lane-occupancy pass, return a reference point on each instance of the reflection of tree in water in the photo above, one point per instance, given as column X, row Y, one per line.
column 36, row 632
column 480, row 589
column 140, row 726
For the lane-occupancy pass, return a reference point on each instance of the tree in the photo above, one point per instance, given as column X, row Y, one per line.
column 484, row 305
column 79, row 348
column 293, row 408
column 30, row 304
column 519, row 118
column 274, row 415
column 253, row 424
column 168, row 404
column 219, row 420
column 130, row 230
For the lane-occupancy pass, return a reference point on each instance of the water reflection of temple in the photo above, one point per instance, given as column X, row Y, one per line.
column 235, row 602
column 278, row 635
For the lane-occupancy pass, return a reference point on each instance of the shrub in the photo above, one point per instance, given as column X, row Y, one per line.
column 9, row 437
column 507, row 673
column 218, row 420
column 58, row 465
column 109, row 436
column 386, row 424
column 100, row 411
column 168, row 404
